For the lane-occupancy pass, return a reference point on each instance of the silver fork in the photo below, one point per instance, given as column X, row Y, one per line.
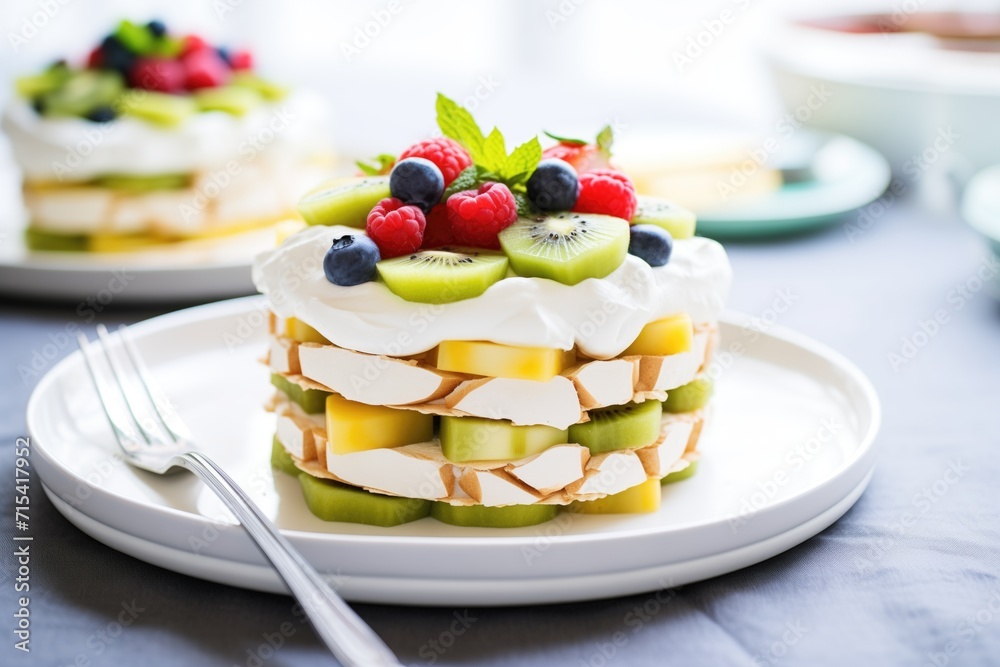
column 155, row 440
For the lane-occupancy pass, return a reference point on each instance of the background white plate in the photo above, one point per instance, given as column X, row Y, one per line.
column 765, row 483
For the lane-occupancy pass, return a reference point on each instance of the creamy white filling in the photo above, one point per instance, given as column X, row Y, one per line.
column 74, row 149
column 600, row 316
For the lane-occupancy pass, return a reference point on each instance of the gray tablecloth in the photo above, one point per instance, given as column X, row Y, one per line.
column 910, row 576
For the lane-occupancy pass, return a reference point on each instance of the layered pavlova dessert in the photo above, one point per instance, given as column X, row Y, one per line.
column 488, row 337
column 157, row 138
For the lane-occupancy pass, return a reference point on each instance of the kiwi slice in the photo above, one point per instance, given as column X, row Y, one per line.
column 442, row 276
column 478, row 439
column 691, row 396
column 159, row 108
column 234, row 100
column 40, row 84
column 344, row 201
column 511, row 516
column 566, row 247
column 682, row 474
column 313, row 401
column 281, row 459
column 131, row 183
column 333, row 501
column 82, row 92
column 266, row 89
column 677, row 220
column 41, row 240
column 619, row 427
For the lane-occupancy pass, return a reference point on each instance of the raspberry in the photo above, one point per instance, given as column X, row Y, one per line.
column 477, row 217
column 446, row 153
column 396, row 228
column 606, row 191
column 583, row 157
column 438, row 232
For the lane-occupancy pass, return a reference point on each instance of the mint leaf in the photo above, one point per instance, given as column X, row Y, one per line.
column 524, row 206
column 566, row 140
column 605, row 138
column 383, row 164
column 494, row 153
column 522, row 161
column 457, row 123
column 467, row 179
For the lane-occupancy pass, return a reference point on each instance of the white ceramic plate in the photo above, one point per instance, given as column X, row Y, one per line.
column 789, row 450
column 847, row 175
column 191, row 272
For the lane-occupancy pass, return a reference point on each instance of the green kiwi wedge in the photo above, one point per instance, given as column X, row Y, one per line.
column 281, row 459
column 692, row 396
column 566, row 247
column 269, row 91
column 344, row 201
column 43, row 241
column 132, row 183
column 312, row 401
column 82, row 92
column 158, row 108
column 333, row 501
column 234, row 100
column 619, row 427
column 682, row 474
column 677, row 220
column 478, row 439
column 443, row 275
column 479, row 516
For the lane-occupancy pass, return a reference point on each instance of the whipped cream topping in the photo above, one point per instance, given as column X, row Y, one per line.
column 600, row 316
column 75, row 149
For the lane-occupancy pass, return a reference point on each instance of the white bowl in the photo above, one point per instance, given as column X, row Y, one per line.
column 928, row 103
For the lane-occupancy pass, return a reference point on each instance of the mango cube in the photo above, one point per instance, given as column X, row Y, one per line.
column 356, row 427
column 503, row 361
column 298, row 330
column 640, row 499
column 670, row 335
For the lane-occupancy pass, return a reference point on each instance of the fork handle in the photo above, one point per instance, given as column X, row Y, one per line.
column 348, row 637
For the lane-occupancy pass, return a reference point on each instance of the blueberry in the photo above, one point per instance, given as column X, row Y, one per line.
column 351, row 260
column 156, row 28
column 116, row 56
column 418, row 182
column 224, row 54
column 651, row 243
column 101, row 114
column 554, row 186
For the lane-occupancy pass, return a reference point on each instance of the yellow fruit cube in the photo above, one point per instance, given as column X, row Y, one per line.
column 503, row 361
column 356, row 427
column 670, row 335
column 298, row 330
column 641, row 499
